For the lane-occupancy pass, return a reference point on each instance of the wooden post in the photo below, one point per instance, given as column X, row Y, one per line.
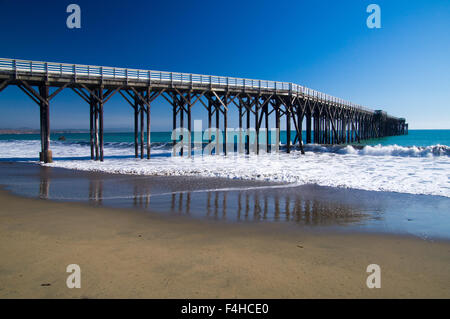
column 100, row 121
column 148, row 123
column 42, row 125
column 257, row 124
column 97, row 153
column 300, row 114
column 266, row 116
column 225, row 126
column 141, row 137
column 46, row 154
column 288, row 126
column 247, row 137
column 308, row 125
column 240, row 127
column 316, row 127
column 217, row 110
column 277, row 123
column 136, row 126
column 209, row 119
column 189, row 119
column 91, row 124
column 174, row 119
column 181, row 107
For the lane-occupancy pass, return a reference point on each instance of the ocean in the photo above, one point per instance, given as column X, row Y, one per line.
column 417, row 163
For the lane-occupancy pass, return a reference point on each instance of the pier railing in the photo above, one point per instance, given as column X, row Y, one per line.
column 64, row 69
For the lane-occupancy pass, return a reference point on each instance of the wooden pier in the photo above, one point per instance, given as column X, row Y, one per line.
column 328, row 120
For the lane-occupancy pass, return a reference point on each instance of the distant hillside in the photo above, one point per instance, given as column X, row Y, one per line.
column 36, row 131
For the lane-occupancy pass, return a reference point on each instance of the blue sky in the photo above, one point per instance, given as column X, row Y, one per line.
column 403, row 68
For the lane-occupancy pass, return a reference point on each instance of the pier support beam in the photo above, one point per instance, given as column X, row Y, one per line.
column 288, row 126
column 92, row 110
column 46, row 154
column 148, row 123
column 277, row 123
column 141, row 135
column 136, row 126
column 100, row 121
column 308, row 124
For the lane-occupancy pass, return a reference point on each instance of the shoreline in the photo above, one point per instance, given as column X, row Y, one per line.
column 237, row 201
column 126, row 254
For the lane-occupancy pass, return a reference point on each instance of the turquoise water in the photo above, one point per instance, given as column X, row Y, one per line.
column 414, row 138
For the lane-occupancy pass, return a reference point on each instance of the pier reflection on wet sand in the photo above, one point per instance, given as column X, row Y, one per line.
column 289, row 204
column 216, row 199
column 235, row 200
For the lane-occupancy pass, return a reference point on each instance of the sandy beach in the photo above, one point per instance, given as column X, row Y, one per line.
column 124, row 253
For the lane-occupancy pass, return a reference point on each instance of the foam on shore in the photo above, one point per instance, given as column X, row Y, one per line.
column 414, row 170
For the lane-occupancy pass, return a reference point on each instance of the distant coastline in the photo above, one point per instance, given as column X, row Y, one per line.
column 37, row 131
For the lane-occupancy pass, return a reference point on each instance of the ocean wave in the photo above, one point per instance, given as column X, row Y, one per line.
column 414, row 175
column 383, row 150
column 416, row 170
column 18, row 146
column 372, row 150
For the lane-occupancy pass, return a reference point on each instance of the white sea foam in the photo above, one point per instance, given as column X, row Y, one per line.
column 416, row 170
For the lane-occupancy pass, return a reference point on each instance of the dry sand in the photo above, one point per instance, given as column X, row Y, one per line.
column 131, row 254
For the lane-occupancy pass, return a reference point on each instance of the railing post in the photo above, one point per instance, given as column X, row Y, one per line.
column 15, row 68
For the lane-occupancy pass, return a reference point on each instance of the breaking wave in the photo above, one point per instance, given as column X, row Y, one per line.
column 415, row 170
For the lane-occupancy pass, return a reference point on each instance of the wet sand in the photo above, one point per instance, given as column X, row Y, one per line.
column 237, row 201
column 124, row 253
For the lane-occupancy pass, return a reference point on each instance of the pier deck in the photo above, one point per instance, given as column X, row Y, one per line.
column 331, row 119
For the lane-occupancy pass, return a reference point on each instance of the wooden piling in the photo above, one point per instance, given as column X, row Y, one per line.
column 136, row 126
column 46, row 154
column 91, row 124
column 181, row 110
column 141, row 135
column 189, row 119
column 148, row 123
column 288, row 129
column 308, row 125
column 100, row 121
column 257, row 105
column 174, row 120
column 247, row 137
column 277, row 124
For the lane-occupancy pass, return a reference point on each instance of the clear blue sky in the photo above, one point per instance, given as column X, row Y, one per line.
column 403, row 68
